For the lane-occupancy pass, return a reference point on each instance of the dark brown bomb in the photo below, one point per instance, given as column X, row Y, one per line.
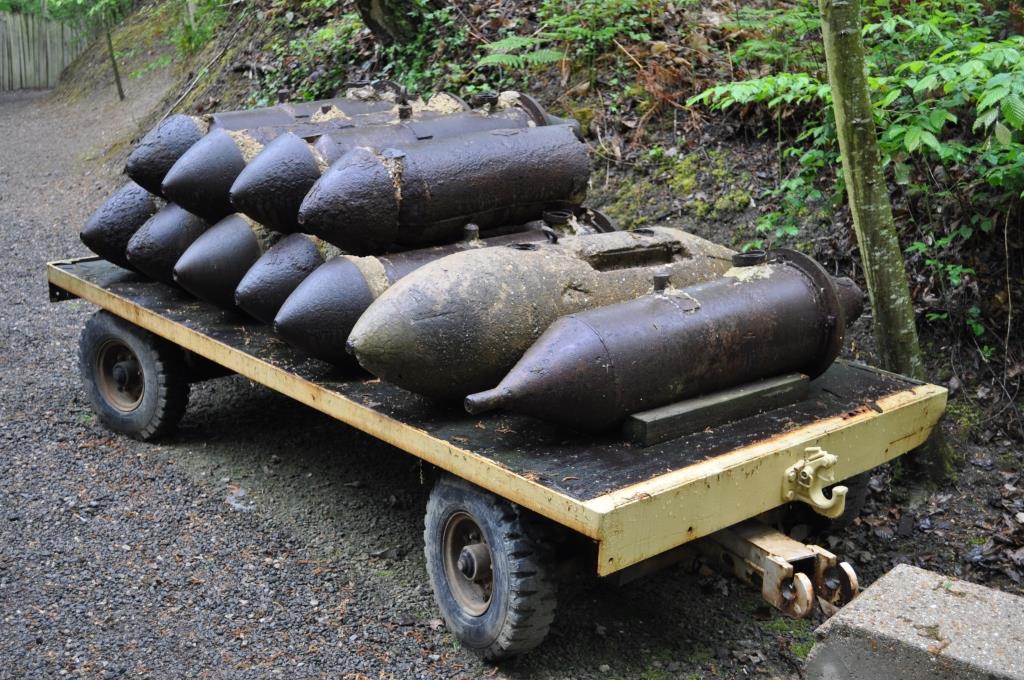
column 592, row 369
column 369, row 201
column 157, row 245
column 108, row 230
column 215, row 263
column 318, row 316
column 457, row 325
column 162, row 146
column 278, row 272
column 274, row 277
column 272, row 186
column 200, row 181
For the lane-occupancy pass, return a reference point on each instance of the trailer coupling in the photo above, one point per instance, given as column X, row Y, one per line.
column 789, row 573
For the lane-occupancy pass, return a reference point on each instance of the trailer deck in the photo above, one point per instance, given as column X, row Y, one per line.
column 636, row 502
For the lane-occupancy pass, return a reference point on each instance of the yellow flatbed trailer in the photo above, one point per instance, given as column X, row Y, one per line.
column 637, row 504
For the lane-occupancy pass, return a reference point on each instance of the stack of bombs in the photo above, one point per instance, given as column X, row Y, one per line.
column 443, row 247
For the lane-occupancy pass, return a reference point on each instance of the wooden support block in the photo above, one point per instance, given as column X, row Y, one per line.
column 668, row 422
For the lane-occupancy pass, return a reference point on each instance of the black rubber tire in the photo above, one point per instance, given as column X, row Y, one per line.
column 523, row 596
column 165, row 388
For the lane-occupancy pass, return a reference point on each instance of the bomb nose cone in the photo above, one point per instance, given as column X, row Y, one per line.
column 568, row 375
column 488, row 400
column 276, row 275
column 271, row 188
column 108, row 230
column 319, row 315
column 158, row 243
column 214, row 264
column 161, row 148
column 356, row 187
column 201, row 180
column 851, row 298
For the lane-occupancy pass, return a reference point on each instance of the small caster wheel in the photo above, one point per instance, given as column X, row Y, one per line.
column 134, row 379
column 489, row 571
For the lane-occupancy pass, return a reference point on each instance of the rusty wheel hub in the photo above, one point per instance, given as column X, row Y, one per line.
column 467, row 564
column 119, row 376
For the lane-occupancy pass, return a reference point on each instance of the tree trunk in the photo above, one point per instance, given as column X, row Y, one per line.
column 190, row 15
column 392, row 21
column 113, row 62
column 868, row 194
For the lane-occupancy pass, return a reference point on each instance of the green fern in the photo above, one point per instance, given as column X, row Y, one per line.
column 518, row 52
column 513, row 43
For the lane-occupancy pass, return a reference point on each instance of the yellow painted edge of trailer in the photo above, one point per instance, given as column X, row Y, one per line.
column 648, row 518
column 470, row 466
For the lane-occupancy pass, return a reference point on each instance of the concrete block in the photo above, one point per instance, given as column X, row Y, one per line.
column 914, row 624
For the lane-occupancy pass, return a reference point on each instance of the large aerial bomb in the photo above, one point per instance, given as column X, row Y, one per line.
column 217, row 260
column 108, row 230
column 457, row 325
column 592, row 369
column 318, row 316
column 157, row 245
column 272, row 186
column 423, row 195
column 162, row 146
column 200, row 181
column 273, row 277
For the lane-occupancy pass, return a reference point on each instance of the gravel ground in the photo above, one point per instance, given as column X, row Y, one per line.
column 264, row 539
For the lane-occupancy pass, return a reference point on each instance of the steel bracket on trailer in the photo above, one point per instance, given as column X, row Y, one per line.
column 789, row 573
column 806, row 480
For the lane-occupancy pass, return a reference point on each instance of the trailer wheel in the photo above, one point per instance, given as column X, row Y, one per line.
column 135, row 381
column 489, row 570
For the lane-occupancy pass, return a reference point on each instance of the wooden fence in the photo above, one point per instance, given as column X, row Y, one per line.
column 34, row 50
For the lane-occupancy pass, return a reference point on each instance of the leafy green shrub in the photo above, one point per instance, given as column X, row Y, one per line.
column 578, row 30
column 948, row 93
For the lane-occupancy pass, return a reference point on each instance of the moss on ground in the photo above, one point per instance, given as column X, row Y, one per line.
column 703, row 186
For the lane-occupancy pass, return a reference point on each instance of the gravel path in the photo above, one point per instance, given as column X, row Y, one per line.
column 265, row 539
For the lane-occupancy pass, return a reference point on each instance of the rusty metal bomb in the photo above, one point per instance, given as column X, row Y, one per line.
column 157, row 245
column 161, row 147
column 457, row 325
column 273, row 185
column 111, row 226
column 424, row 195
column 319, row 315
column 200, row 181
column 216, row 261
column 592, row 369
column 278, row 272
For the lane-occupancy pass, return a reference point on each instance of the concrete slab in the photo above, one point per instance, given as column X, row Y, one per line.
column 913, row 624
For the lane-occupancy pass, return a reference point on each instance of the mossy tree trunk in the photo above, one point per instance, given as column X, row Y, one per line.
column 392, row 21
column 868, row 194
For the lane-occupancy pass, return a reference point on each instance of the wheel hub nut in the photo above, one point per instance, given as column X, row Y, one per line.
column 475, row 561
column 122, row 372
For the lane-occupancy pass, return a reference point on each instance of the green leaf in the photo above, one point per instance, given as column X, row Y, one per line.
column 937, row 118
column 1013, row 110
column 928, row 139
column 985, row 119
column 992, row 97
column 1003, row 134
column 912, row 139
